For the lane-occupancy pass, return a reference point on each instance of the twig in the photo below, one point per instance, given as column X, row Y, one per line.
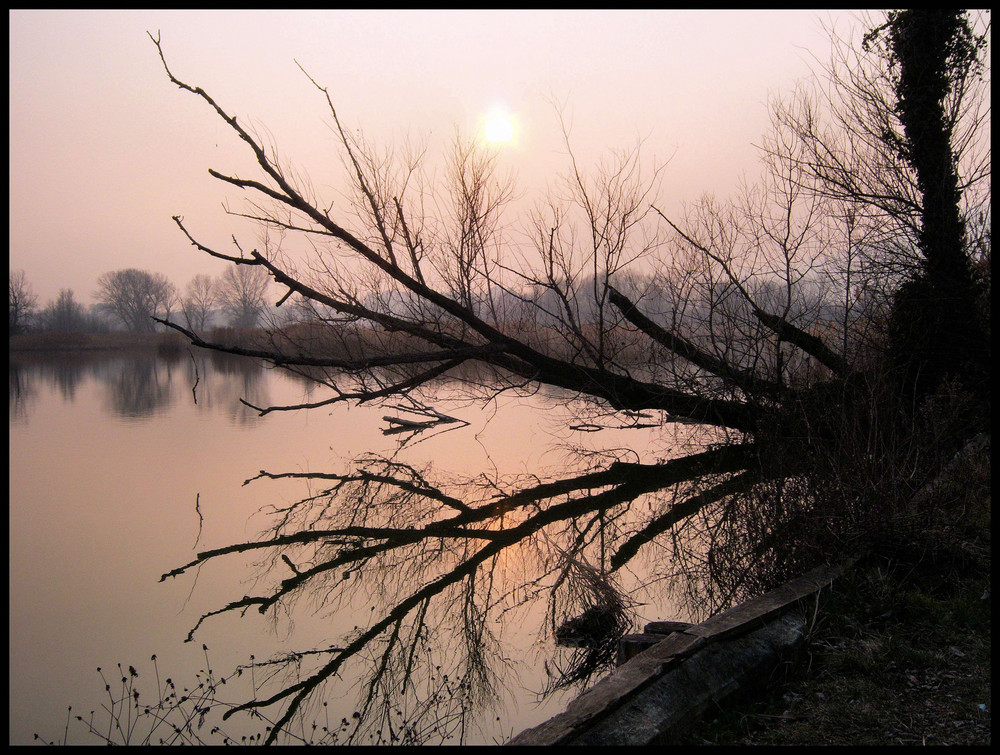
column 197, row 377
column 201, row 519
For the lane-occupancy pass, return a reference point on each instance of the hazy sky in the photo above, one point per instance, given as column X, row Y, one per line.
column 104, row 150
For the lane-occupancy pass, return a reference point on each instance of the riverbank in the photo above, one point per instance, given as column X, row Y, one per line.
column 900, row 650
column 902, row 664
column 29, row 342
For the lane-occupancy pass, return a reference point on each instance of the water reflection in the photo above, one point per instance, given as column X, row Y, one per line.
column 21, row 392
column 439, row 570
column 141, row 384
column 63, row 371
column 137, row 388
column 436, row 580
column 243, row 379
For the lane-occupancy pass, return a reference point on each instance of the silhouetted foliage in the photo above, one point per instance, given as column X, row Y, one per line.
column 936, row 329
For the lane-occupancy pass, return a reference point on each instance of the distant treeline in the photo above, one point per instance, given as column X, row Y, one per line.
column 128, row 301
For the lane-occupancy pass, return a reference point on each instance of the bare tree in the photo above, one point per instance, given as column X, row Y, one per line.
column 135, row 297
column 21, row 303
column 242, row 292
column 200, row 298
column 729, row 321
column 65, row 314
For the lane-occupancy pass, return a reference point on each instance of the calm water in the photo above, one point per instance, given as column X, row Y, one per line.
column 108, row 459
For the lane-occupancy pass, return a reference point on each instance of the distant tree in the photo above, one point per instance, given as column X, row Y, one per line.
column 241, row 291
column 21, row 303
column 65, row 314
column 200, row 298
column 134, row 297
column 99, row 319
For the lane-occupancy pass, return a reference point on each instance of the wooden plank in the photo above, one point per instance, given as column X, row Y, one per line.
column 611, row 692
column 623, row 693
column 668, row 705
column 666, row 627
column 760, row 610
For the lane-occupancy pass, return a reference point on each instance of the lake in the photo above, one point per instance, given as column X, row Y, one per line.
column 122, row 467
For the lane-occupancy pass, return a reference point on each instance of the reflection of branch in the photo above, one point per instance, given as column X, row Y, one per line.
column 290, row 565
column 569, row 500
column 681, row 511
column 201, row 519
column 194, row 388
column 302, row 689
column 421, row 489
column 603, row 618
column 295, row 655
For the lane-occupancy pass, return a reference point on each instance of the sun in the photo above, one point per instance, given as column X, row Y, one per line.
column 499, row 128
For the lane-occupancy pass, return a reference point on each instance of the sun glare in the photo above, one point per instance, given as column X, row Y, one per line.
column 499, row 128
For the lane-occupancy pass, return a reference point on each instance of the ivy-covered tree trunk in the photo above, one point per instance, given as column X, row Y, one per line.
column 936, row 331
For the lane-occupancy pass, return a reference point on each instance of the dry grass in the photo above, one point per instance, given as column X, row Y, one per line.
column 93, row 341
column 901, row 653
column 917, row 673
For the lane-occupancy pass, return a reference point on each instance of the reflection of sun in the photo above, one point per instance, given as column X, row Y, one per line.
column 499, row 128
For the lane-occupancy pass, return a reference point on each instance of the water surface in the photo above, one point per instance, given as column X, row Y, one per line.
column 121, row 467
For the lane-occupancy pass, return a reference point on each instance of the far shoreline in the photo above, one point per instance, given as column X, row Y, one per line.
column 115, row 341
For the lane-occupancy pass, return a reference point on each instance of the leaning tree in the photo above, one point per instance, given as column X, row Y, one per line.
column 757, row 323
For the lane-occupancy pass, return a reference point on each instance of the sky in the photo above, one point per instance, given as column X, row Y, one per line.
column 104, row 150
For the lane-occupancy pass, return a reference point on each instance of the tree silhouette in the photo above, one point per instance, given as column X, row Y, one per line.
column 21, row 303
column 741, row 322
column 135, row 297
column 65, row 314
column 242, row 292
column 200, row 299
